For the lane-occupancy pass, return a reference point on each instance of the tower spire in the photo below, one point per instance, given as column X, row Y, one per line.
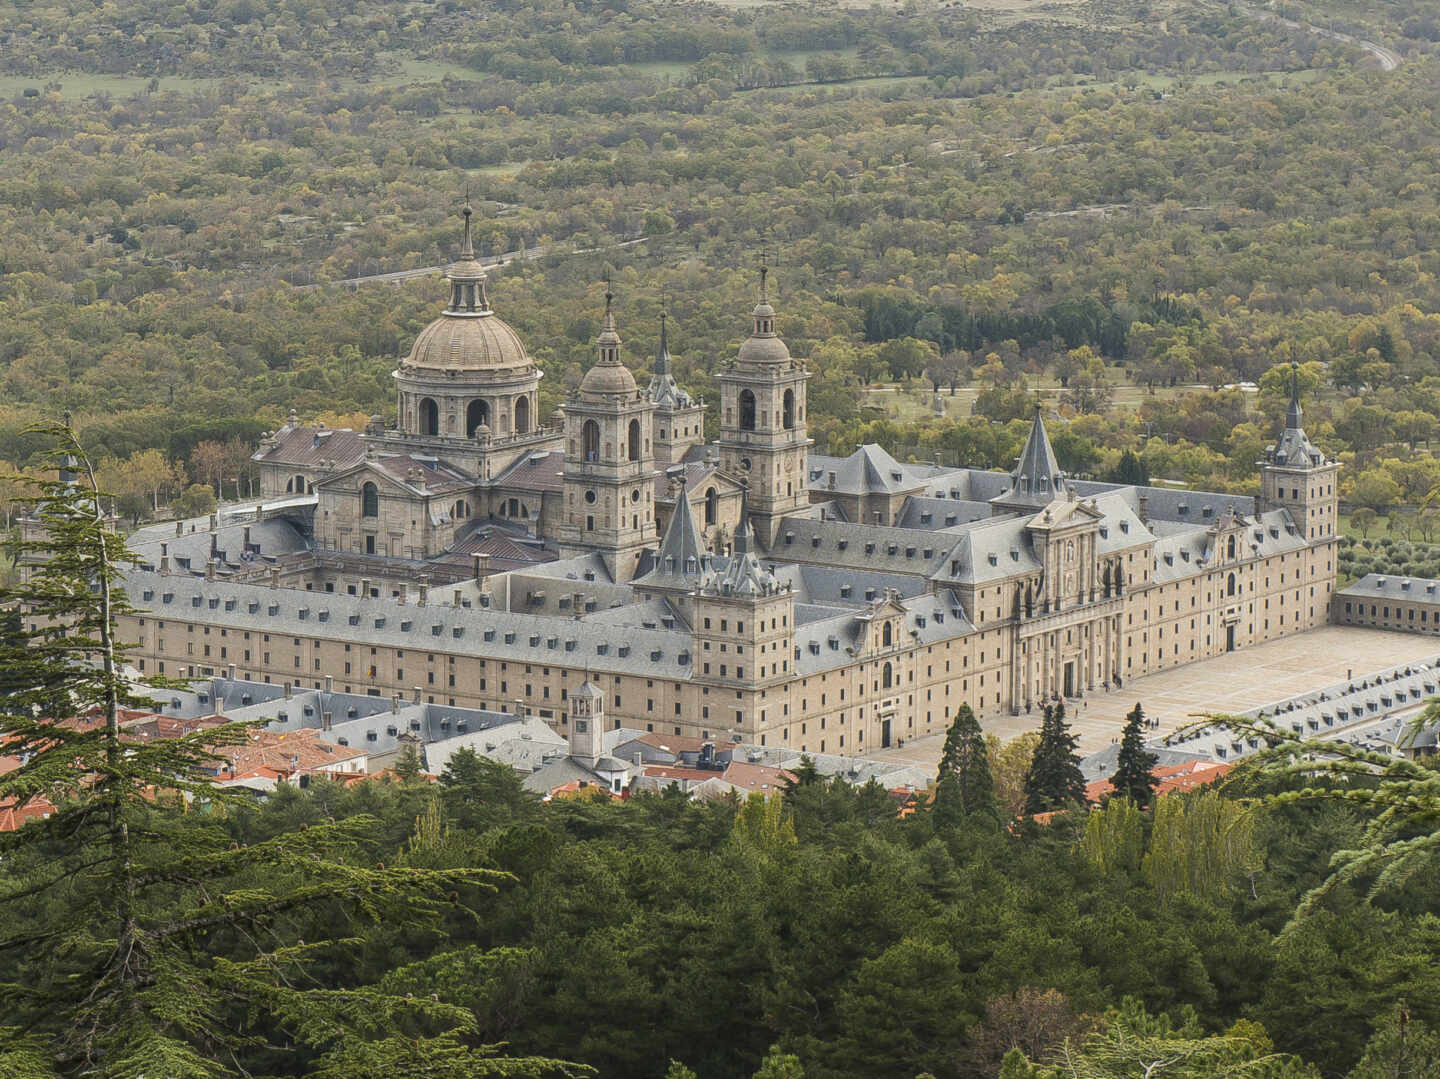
column 1293, row 414
column 662, row 354
column 467, row 277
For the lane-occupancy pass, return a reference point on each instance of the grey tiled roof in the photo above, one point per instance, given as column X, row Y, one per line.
column 940, row 513
column 473, row 631
column 869, row 470
column 1389, row 586
column 860, row 546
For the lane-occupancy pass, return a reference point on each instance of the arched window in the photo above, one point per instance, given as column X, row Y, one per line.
column 747, row 410
column 887, row 637
column 476, row 413
column 429, row 417
column 522, row 415
column 712, row 505
column 1230, row 548
column 887, row 677
column 369, row 500
column 787, row 411
column 590, row 439
column 633, row 442
column 1230, row 585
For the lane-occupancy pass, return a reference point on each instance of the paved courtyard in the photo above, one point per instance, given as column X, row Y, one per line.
column 1235, row 682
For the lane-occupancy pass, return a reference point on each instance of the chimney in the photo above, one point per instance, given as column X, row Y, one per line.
column 482, row 565
column 179, row 528
column 327, row 720
column 247, row 538
column 395, row 702
column 259, row 511
column 274, row 576
column 164, row 559
column 424, row 590
column 288, row 690
column 639, row 760
column 230, row 672
column 1257, row 506
column 519, row 708
column 329, row 683
column 214, row 545
column 210, row 569
column 214, row 521
column 1144, row 510
column 416, row 691
column 364, row 587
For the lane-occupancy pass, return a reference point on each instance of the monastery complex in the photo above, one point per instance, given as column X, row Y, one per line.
column 735, row 589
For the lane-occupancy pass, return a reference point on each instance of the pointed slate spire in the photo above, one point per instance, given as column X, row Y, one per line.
column 680, row 548
column 662, row 354
column 1037, row 477
column 1293, row 414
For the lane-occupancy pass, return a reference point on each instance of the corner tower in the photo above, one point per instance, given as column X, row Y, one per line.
column 609, row 462
column 1296, row 476
column 762, row 422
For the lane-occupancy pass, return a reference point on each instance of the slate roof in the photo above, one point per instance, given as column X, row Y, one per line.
column 487, row 632
column 269, row 539
column 941, row 513
column 1389, row 586
column 860, row 546
column 869, row 470
column 538, row 472
column 1036, row 479
column 304, row 447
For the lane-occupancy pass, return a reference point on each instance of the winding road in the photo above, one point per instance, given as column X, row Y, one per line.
column 1389, row 59
column 489, row 263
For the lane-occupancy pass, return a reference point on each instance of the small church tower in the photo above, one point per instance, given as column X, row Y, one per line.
column 1296, row 476
column 762, row 422
column 587, row 724
column 609, row 462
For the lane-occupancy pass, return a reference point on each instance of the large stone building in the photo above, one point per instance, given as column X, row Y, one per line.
column 481, row 559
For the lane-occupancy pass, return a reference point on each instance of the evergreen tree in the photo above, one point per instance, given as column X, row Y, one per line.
column 140, row 939
column 1134, row 776
column 1054, row 780
column 1130, row 469
column 964, row 785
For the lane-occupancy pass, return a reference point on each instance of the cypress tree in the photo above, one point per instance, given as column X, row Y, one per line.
column 1054, row 780
column 964, row 785
column 1134, row 776
column 138, row 938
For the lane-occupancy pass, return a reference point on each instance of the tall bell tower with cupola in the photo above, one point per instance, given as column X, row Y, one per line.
column 609, row 462
column 762, row 421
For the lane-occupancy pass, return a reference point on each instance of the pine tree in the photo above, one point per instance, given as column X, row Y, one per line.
column 1134, row 776
column 138, row 938
column 964, row 786
column 1054, row 781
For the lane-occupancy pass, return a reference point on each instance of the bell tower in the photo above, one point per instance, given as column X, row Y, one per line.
column 762, row 422
column 1296, row 476
column 610, row 474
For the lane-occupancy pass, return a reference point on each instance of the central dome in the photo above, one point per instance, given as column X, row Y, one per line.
column 478, row 342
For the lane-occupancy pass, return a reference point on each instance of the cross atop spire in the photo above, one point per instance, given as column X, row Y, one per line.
column 764, row 273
